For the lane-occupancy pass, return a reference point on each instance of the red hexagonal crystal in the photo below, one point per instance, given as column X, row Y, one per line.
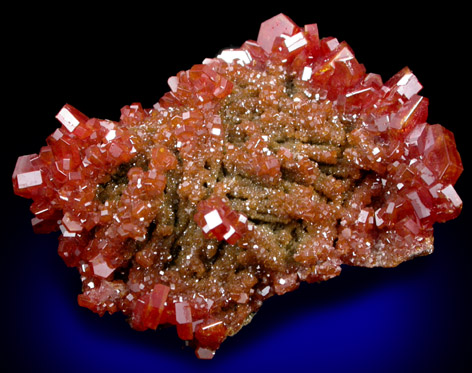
column 273, row 28
column 441, row 155
column 217, row 220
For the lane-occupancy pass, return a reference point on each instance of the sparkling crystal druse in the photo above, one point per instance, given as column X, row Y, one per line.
column 269, row 165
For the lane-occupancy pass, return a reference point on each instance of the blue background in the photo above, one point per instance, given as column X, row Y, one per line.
column 413, row 318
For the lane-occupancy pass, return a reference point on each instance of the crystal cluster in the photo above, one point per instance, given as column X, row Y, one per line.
column 217, row 220
column 269, row 165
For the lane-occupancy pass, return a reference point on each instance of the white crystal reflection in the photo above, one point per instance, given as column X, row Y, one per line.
column 29, row 179
column 242, row 57
column 213, row 219
column 67, row 119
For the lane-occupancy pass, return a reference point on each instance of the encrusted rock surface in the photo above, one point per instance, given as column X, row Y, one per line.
column 270, row 165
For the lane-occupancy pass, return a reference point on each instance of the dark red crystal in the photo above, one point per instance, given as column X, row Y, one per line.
column 217, row 220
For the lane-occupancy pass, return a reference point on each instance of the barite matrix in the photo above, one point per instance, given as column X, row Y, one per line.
column 269, row 165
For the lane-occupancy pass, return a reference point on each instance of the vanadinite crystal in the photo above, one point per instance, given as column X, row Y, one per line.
column 266, row 166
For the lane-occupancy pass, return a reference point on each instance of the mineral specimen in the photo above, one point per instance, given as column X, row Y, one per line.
column 266, row 166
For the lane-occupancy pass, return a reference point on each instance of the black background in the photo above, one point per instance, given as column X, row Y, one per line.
column 99, row 59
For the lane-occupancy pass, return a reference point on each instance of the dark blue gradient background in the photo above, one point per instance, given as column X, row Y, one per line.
column 413, row 318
